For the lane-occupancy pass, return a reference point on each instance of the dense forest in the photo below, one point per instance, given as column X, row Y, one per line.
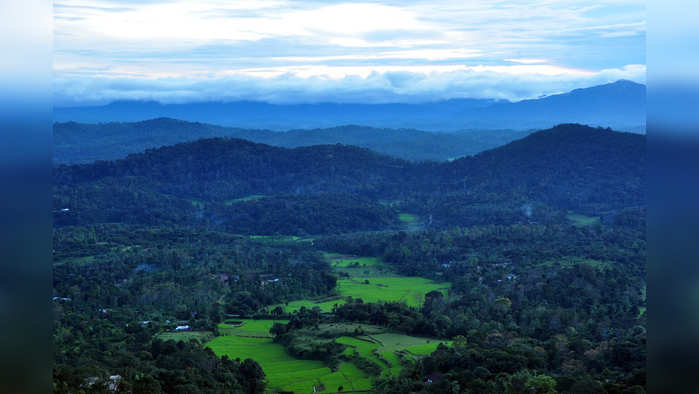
column 536, row 251
column 569, row 168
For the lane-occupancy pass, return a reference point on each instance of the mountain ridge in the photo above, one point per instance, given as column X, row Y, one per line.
column 570, row 167
column 597, row 105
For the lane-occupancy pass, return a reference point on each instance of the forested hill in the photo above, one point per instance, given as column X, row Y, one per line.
column 84, row 143
column 570, row 167
column 225, row 168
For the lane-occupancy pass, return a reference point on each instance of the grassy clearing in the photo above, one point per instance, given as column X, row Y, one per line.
column 407, row 218
column 582, row 220
column 339, row 261
column 396, row 342
column 285, row 372
column 395, row 362
column 364, row 349
column 383, row 285
column 201, row 336
column 248, row 327
column 410, row 290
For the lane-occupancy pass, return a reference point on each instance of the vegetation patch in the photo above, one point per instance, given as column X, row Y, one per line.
column 186, row 336
column 251, row 197
column 408, row 218
column 339, row 261
column 284, row 372
column 582, row 220
column 324, row 305
column 410, row 290
column 248, row 327
column 573, row 261
column 384, row 349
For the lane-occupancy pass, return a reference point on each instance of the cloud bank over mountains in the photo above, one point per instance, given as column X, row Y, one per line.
column 319, row 51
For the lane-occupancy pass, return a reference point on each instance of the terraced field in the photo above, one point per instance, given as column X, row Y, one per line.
column 388, row 349
column 284, row 372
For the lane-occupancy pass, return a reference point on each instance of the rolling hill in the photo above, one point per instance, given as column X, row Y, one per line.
column 567, row 168
column 83, row 143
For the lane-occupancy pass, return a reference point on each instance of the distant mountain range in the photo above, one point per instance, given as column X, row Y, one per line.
column 84, row 143
column 620, row 105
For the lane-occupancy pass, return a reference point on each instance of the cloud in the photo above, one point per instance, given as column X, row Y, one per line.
column 390, row 85
column 526, row 60
column 326, row 50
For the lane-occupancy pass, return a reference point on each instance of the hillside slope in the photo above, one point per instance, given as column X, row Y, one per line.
column 567, row 168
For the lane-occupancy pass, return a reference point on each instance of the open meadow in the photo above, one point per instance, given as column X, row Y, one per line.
column 372, row 280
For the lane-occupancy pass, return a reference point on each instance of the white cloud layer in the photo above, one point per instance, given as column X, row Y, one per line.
column 375, row 87
column 314, row 50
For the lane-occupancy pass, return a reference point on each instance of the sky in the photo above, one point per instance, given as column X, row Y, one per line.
column 278, row 51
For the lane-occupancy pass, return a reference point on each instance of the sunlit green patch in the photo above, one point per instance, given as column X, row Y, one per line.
column 355, row 266
column 284, row 372
column 394, row 342
column 582, row 220
column 248, row 327
column 383, row 349
column 363, row 348
column 410, row 290
column 408, row 218
column 355, row 262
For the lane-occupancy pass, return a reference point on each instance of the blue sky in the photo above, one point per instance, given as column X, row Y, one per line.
column 312, row 51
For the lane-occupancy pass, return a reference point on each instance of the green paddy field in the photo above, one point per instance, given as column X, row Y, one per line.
column 370, row 279
column 373, row 281
column 284, row 372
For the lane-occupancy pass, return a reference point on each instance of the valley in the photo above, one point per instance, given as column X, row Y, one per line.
column 336, row 267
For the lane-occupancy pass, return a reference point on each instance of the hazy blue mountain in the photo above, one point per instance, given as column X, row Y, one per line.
column 84, row 143
column 620, row 105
